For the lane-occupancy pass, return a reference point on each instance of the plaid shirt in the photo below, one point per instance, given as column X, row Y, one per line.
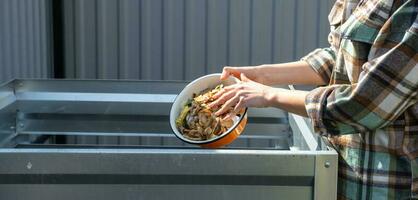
column 369, row 109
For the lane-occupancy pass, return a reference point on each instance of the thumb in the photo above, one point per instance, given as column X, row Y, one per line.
column 245, row 78
column 228, row 71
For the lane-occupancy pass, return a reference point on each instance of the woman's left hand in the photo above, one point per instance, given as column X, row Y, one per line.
column 246, row 93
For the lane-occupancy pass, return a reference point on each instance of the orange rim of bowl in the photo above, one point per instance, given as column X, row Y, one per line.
column 229, row 137
column 223, row 135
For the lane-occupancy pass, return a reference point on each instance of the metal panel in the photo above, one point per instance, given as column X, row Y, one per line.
column 261, row 32
column 326, row 171
column 151, row 15
column 173, row 54
column 129, row 109
column 86, row 40
column 7, row 112
column 184, row 39
column 195, row 36
column 152, row 192
column 307, row 27
column 284, row 31
column 239, row 32
column 217, row 40
column 129, row 39
column 25, row 42
column 156, row 174
column 107, row 36
column 150, row 163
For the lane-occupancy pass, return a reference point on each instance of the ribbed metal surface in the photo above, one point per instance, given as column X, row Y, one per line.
column 184, row 39
column 24, row 39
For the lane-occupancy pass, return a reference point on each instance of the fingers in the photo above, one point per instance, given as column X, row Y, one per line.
column 229, row 116
column 231, row 102
column 223, row 91
column 232, row 87
column 240, row 105
column 223, row 98
column 237, row 108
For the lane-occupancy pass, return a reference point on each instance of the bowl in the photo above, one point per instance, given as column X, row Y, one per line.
column 197, row 86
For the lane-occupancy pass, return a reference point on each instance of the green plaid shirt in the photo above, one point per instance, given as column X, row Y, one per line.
column 369, row 109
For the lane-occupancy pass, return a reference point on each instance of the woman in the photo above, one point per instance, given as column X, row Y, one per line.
column 368, row 109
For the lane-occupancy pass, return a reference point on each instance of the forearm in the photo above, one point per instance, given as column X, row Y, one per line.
column 293, row 73
column 289, row 100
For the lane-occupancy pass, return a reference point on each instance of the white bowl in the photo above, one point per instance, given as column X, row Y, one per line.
column 195, row 87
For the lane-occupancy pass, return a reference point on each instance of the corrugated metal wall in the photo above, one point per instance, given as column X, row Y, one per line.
column 157, row 39
column 183, row 39
column 25, row 43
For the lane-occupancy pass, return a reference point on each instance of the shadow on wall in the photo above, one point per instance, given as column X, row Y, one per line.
column 25, row 39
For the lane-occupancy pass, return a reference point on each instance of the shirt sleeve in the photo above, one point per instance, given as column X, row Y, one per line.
column 387, row 86
column 322, row 62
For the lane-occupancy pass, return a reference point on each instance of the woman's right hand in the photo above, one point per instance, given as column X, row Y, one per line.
column 293, row 73
column 250, row 71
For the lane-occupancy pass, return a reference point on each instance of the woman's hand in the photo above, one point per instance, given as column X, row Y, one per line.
column 293, row 73
column 253, row 91
column 252, row 72
column 247, row 93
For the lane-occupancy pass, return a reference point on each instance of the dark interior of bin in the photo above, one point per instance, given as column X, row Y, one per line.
column 155, row 132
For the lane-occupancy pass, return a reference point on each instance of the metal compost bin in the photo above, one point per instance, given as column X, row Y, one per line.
column 94, row 139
